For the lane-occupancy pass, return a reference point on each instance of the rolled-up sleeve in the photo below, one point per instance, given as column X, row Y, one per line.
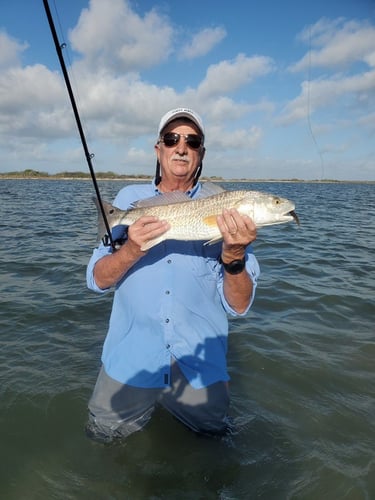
column 98, row 253
column 253, row 270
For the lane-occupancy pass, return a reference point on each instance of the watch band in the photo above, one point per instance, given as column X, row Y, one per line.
column 235, row 266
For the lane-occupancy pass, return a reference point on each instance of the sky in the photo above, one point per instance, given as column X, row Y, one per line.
column 286, row 89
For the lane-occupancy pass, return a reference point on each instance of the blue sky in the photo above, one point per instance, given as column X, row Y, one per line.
column 285, row 89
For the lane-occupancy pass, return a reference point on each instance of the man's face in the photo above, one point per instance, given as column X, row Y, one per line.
column 179, row 160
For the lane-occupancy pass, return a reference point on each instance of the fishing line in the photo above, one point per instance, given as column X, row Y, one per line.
column 308, row 111
column 61, row 30
column 65, row 46
column 88, row 155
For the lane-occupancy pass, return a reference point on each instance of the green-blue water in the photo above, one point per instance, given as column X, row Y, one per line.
column 302, row 361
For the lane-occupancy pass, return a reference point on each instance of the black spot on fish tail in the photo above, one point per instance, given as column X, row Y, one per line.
column 295, row 216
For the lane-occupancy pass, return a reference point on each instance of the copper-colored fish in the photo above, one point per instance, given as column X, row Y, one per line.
column 196, row 219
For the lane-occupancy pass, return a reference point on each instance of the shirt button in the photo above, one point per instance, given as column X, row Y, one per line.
column 167, row 320
column 169, row 261
column 167, row 292
column 168, row 346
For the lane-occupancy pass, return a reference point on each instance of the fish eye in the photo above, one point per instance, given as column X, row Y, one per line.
column 277, row 201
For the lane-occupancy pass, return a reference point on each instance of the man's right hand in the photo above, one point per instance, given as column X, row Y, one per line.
column 143, row 230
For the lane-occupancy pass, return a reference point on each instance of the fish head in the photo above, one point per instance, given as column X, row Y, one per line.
column 267, row 209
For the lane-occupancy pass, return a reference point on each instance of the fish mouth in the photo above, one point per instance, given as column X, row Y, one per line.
column 293, row 214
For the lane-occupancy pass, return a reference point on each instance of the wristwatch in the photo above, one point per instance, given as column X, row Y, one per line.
column 235, row 266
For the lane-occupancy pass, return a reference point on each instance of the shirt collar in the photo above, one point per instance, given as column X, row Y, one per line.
column 191, row 193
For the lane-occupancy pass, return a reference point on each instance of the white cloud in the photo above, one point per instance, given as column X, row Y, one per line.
column 330, row 93
column 228, row 76
column 368, row 120
column 30, row 86
column 346, row 51
column 111, row 35
column 121, row 106
column 240, row 139
column 226, row 110
column 33, row 103
column 202, row 43
column 337, row 43
column 10, row 50
column 116, row 105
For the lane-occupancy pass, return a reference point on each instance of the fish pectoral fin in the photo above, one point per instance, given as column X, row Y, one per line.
column 214, row 240
column 210, row 220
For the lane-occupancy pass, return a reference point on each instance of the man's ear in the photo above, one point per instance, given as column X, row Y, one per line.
column 157, row 150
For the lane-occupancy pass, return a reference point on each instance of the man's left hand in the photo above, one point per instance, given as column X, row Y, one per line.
column 238, row 232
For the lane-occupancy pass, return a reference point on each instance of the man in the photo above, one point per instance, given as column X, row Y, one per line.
column 167, row 337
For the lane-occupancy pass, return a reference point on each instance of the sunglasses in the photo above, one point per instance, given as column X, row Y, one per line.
column 170, row 139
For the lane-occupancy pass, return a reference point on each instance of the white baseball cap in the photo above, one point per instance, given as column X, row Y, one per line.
column 181, row 113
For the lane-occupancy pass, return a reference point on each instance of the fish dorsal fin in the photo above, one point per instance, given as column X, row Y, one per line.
column 209, row 188
column 213, row 241
column 163, row 199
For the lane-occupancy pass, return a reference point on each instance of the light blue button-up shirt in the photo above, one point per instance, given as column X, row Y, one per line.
column 170, row 304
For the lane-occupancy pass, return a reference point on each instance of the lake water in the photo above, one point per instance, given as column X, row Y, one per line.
column 302, row 362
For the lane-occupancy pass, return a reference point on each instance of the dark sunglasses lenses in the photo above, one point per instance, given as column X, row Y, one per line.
column 194, row 141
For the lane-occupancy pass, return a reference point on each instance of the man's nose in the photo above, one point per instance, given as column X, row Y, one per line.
column 182, row 146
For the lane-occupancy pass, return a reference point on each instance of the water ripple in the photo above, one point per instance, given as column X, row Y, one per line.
column 301, row 362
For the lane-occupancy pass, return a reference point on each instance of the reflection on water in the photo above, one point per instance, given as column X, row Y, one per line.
column 301, row 362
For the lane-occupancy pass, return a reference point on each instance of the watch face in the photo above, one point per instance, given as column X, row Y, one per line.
column 235, row 267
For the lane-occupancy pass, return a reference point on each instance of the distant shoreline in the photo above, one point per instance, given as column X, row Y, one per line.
column 110, row 176
column 143, row 179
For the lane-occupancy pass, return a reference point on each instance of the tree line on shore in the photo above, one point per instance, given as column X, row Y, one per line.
column 36, row 174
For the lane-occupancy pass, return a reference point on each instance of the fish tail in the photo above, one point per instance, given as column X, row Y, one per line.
column 110, row 213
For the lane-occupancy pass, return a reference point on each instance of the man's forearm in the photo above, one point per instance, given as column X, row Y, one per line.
column 110, row 269
column 238, row 290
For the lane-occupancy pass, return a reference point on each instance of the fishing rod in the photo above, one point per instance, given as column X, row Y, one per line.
column 88, row 155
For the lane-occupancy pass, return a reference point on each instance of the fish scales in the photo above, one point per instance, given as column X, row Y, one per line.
column 192, row 220
column 196, row 219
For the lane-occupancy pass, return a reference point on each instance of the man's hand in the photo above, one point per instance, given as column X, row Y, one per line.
column 238, row 232
column 111, row 268
column 143, row 230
